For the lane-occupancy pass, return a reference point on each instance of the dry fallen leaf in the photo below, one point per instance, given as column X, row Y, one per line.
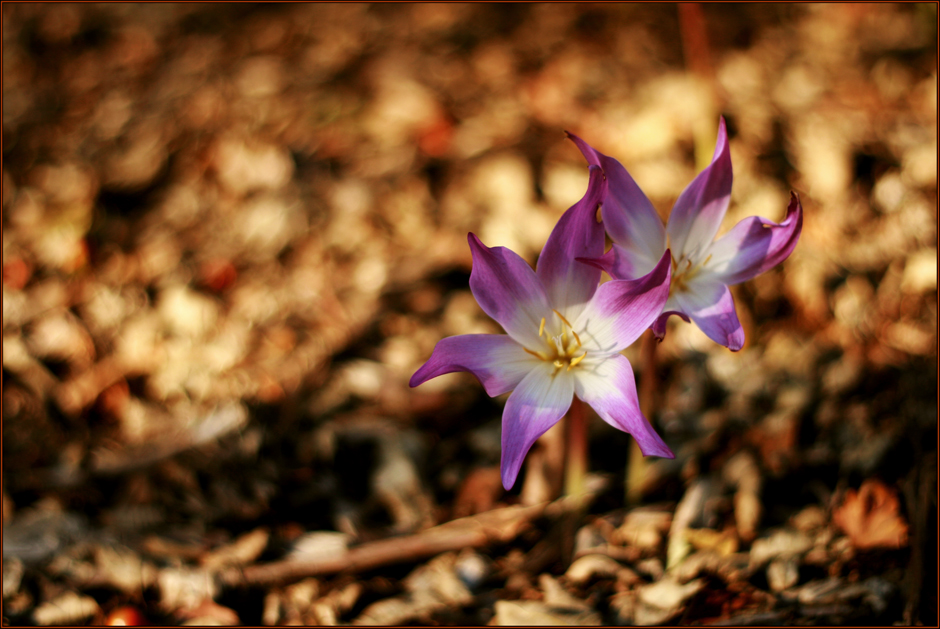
column 724, row 542
column 539, row 613
column 431, row 587
column 208, row 613
column 69, row 608
column 663, row 600
column 241, row 552
column 870, row 517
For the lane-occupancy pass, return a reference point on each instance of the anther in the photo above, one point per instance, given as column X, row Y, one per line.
column 576, row 360
column 538, row 355
column 542, row 327
column 561, row 317
column 576, row 337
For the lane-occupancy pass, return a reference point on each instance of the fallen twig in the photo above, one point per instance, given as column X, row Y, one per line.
column 498, row 525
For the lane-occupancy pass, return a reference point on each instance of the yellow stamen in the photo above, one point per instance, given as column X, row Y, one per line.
column 574, row 361
column 539, row 355
column 562, row 318
column 559, row 352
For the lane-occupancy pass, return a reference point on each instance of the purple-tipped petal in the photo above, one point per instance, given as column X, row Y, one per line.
column 630, row 218
column 698, row 211
column 569, row 284
column 622, row 309
column 755, row 245
column 711, row 307
column 659, row 326
column 609, row 387
column 620, row 263
column 540, row 400
column 508, row 290
column 498, row 362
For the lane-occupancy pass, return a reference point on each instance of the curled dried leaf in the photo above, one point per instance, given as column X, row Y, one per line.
column 870, row 517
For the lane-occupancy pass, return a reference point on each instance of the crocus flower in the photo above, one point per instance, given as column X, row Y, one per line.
column 702, row 268
column 564, row 334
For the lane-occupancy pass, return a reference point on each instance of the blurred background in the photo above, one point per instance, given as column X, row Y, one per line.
column 231, row 233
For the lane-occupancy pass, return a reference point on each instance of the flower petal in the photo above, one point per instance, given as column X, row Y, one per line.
column 629, row 217
column 540, row 400
column 622, row 309
column 609, row 387
column 659, row 326
column 620, row 263
column 498, row 362
column 570, row 284
column 710, row 305
column 698, row 211
column 755, row 245
column 508, row 290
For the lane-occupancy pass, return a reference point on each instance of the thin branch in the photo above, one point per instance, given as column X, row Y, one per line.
column 498, row 525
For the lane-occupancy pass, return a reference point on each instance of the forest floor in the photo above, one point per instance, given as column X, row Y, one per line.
column 231, row 234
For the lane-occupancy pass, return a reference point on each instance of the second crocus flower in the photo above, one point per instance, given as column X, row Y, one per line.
column 702, row 267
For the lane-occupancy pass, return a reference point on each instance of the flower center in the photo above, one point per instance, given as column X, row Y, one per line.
column 683, row 271
column 561, row 350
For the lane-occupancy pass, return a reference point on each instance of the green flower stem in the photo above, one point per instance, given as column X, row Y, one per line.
column 576, row 449
column 636, row 464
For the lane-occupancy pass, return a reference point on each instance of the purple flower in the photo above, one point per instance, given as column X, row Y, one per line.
column 702, row 268
column 564, row 334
